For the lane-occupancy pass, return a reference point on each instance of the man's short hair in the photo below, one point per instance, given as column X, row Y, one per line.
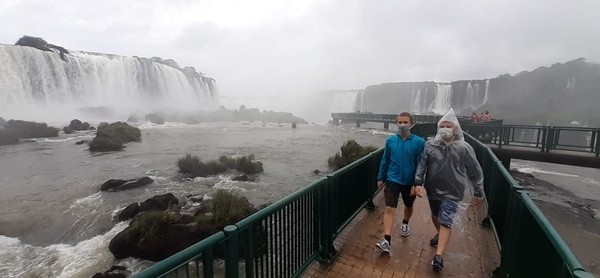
column 406, row 114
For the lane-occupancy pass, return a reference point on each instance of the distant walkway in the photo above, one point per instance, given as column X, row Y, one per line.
column 472, row 253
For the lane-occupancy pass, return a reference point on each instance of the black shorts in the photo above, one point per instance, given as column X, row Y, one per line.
column 391, row 192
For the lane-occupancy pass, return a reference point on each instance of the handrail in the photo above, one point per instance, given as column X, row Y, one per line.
column 519, row 224
column 182, row 258
column 544, row 138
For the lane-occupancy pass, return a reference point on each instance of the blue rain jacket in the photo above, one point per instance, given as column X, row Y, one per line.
column 400, row 159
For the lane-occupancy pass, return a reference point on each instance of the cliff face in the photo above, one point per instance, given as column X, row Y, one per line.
column 558, row 94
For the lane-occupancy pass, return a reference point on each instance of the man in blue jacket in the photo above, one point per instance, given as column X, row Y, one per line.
column 397, row 175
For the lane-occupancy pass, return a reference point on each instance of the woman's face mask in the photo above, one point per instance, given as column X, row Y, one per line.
column 446, row 132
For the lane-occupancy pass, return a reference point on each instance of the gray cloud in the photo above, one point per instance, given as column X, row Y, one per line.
column 334, row 45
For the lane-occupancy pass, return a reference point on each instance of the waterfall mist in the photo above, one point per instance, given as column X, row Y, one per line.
column 46, row 86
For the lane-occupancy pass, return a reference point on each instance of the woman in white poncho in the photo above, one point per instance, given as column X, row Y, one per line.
column 450, row 173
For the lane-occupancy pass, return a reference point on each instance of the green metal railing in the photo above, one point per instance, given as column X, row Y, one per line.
column 283, row 239
column 529, row 245
column 545, row 138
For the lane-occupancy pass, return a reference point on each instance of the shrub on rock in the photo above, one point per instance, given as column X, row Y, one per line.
column 156, row 235
column 351, row 151
column 105, row 144
column 110, row 137
column 192, row 165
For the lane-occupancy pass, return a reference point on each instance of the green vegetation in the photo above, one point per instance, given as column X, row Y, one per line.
column 148, row 224
column 351, row 151
column 192, row 165
column 229, row 206
column 110, row 137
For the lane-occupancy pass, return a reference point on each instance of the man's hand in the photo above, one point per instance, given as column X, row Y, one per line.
column 416, row 190
column 380, row 185
column 475, row 201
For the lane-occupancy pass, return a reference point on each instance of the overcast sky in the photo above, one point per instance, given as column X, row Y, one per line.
column 277, row 47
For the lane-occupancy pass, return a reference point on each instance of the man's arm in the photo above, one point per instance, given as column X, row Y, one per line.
column 422, row 166
column 383, row 166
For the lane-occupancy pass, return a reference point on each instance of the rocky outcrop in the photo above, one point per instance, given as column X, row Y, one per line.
column 156, row 203
column 350, row 152
column 133, row 119
column 41, row 44
column 528, row 97
column 193, row 167
column 116, row 271
column 77, row 125
column 2, row 122
column 156, row 235
column 110, row 137
column 119, row 185
column 7, row 138
column 155, row 118
column 24, row 129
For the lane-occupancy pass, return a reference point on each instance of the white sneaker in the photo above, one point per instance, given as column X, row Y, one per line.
column 404, row 230
column 384, row 245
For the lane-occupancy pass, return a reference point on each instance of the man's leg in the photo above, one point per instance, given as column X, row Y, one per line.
column 448, row 210
column 434, row 206
column 388, row 220
column 408, row 211
column 390, row 195
column 408, row 208
column 444, row 238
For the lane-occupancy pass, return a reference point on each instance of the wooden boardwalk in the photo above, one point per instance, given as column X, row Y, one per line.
column 471, row 252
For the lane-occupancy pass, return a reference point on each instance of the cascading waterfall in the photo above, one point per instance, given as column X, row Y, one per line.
column 45, row 82
column 443, row 99
column 346, row 101
column 419, row 103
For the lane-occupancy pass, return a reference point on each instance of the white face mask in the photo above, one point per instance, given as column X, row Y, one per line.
column 403, row 127
column 445, row 132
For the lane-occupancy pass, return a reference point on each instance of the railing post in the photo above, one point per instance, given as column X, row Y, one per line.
column 207, row 263
column 597, row 148
column 232, row 252
column 327, row 253
column 372, row 174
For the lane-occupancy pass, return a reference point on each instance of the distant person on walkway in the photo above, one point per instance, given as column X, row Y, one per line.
column 487, row 117
column 474, row 117
column 396, row 175
column 452, row 176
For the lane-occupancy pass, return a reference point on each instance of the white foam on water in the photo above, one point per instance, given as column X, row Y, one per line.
column 58, row 260
column 380, row 132
column 530, row 170
column 92, row 200
column 166, row 125
column 596, row 213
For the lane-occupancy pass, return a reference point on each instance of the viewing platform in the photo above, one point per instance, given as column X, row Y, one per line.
column 470, row 253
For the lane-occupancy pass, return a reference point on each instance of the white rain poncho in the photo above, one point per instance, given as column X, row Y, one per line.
column 449, row 170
